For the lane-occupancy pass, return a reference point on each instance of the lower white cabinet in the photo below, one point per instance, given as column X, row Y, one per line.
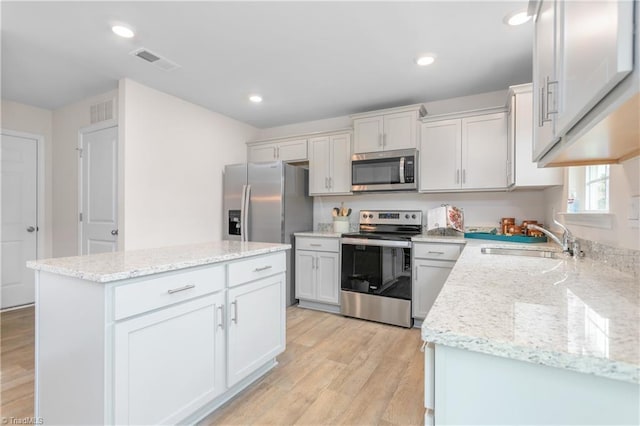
column 156, row 355
column 256, row 326
column 318, row 272
column 432, row 264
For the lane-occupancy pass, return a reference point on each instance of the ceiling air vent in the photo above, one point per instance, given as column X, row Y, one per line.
column 102, row 111
column 155, row 59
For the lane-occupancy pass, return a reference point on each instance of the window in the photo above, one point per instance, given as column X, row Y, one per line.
column 588, row 189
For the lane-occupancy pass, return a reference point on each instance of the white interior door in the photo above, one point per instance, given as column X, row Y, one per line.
column 19, row 218
column 99, row 212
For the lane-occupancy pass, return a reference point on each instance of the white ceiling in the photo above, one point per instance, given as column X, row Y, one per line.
column 309, row 60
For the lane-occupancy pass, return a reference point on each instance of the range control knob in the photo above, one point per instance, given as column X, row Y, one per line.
column 413, row 216
column 370, row 216
column 406, row 216
column 364, row 216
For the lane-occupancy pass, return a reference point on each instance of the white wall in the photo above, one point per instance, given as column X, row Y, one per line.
column 174, row 155
column 67, row 122
column 25, row 118
column 480, row 208
column 624, row 183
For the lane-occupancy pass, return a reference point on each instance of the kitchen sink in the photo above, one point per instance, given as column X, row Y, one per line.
column 520, row 251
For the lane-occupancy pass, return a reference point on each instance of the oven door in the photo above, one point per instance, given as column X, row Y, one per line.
column 376, row 267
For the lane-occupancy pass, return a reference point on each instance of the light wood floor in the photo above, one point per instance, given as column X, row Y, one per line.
column 335, row 370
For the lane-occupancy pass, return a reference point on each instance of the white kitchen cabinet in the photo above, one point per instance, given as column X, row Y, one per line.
column 156, row 355
column 256, row 325
column 521, row 393
column 574, row 69
column 386, row 130
column 318, row 273
column 330, row 164
column 464, row 154
column 522, row 172
column 286, row 150
column 432, row 264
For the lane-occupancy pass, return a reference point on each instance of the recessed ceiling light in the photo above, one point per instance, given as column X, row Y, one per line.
column 516, row 18
column 256, row 99
column 425, row 60
column 123, row 31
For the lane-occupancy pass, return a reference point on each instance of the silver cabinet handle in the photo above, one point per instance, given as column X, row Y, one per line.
column 544, row 100
column 550, row 83
column 186, row 287
column 326, row 182
column 264, row 268
column 275, row 156
column 235, row 311
column 221, row 310
column 464, row 176
column 457, row 175
column 31, row 229
column 435, row 252
column 416, row 273
column 315, row 245
column 330, row 182
column 277, row 152
column 114, row 232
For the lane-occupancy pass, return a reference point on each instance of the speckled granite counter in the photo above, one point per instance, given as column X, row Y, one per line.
column 318, row 234
column 568, row 313
column 109, row 267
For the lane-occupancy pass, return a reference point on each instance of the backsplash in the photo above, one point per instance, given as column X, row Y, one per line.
column 620, row 259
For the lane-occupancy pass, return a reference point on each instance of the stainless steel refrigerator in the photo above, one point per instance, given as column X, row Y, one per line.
column 267, row 202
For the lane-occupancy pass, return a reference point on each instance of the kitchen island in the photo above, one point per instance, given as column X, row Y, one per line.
column 157, row 336
column 527, row 340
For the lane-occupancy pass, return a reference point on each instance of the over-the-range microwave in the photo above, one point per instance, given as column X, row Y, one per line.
column 385, row 171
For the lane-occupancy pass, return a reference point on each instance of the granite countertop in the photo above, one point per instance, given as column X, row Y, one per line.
column 570, row 313
column 318, row 234
column 107, row 267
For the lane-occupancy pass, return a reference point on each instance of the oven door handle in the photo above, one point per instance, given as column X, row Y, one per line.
column 374, row 242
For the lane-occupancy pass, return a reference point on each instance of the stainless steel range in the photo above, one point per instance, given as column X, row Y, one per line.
column 376, row 267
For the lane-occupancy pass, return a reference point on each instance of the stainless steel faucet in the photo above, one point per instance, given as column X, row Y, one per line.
column 569, row 243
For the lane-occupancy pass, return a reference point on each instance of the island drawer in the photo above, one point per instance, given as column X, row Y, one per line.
column 318, row 244
column 437, row 251
column 167, row 289
column 255, row 268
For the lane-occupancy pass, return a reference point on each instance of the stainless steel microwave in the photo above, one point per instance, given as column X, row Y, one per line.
column 385, row 171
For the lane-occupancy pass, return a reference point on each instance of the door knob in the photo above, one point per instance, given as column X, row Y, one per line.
column 31, row 229
column 114, row 232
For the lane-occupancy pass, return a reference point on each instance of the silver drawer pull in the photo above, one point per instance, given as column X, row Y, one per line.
column 235, row 311
column 186, row 287
column 315, row 245
column 264, row 268
column 435, row 252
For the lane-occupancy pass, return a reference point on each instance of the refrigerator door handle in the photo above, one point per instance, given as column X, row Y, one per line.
column 242, row 212
column 247, row 197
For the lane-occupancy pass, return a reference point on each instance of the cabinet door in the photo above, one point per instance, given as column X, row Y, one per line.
column 367, row 134
column 544, row 60
column 256, row 326
column 440, row 166
column 592, row 62
column 484, row 151
column 305, row 274
column 319, row 165
column 527, row 172
column 295, row 150
column 399, row 131
column 429, row 278
column 259, row 153
column 169, row 363
column 328, row 277
column 511, row 141
column 340, row 170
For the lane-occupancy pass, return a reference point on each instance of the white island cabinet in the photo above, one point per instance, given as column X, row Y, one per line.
column 159, row 336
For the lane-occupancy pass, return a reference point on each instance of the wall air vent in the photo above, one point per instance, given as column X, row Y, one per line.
column 102, row 111
column 155, row 59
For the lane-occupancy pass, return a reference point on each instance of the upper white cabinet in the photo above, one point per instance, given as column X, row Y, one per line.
column 582, row 51
column 464, row 154
column 522, row 172
column 386, row 130
column 330, row 164
column 285, row 150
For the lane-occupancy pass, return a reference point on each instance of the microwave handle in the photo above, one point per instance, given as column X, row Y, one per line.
column 402, row 170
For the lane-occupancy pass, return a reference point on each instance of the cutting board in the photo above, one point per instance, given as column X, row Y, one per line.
column 510, row 238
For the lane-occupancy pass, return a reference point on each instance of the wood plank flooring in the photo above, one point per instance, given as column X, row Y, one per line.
column 335, row 370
